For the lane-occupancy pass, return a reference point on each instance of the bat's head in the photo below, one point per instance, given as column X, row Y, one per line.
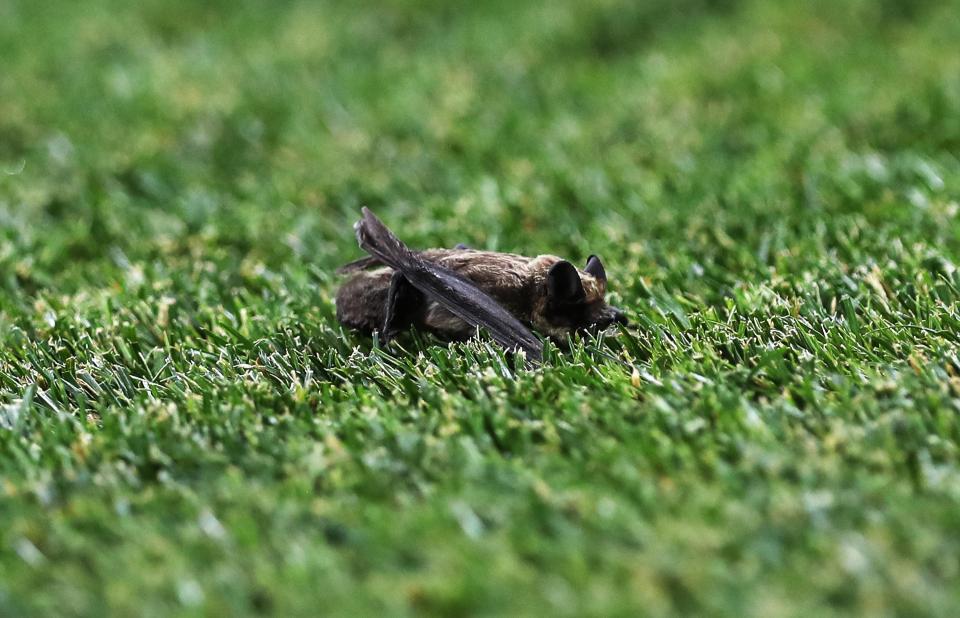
column 572, row 300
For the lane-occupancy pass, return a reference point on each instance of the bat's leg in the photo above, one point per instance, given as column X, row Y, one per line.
column 405, row 305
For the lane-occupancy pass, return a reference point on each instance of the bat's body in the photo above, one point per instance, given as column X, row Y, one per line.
column 512, row 280
column 451, row 292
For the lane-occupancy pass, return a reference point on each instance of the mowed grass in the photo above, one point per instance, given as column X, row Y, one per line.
column 774, row 188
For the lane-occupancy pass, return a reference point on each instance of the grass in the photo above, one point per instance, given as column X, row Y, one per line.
column 774, row 187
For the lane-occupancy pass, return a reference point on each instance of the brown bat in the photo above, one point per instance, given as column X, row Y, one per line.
column 452, row 292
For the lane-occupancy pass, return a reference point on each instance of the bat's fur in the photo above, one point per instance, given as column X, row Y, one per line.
column 526, row 287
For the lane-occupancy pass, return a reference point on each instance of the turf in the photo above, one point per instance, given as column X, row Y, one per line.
column 773, row 186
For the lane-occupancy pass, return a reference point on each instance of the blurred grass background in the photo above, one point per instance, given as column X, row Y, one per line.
column 184, row 428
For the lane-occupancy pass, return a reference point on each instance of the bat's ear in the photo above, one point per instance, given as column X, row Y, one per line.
column 595, row 267
column 563, row 282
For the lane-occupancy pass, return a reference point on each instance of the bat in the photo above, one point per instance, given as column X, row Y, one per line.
column 453, row 292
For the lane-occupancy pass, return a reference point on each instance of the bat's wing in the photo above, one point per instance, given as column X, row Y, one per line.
column 358, row 265
column 454, row 292
column 368, row 261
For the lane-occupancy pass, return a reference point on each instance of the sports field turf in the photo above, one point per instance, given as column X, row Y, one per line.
column 774, row 188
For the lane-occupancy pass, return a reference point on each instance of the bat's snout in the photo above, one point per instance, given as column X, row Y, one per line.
column 609, row 318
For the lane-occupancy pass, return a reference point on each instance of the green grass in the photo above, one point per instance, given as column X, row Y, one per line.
column 774, row 188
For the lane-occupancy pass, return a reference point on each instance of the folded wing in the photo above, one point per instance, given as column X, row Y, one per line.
column 444, row 286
